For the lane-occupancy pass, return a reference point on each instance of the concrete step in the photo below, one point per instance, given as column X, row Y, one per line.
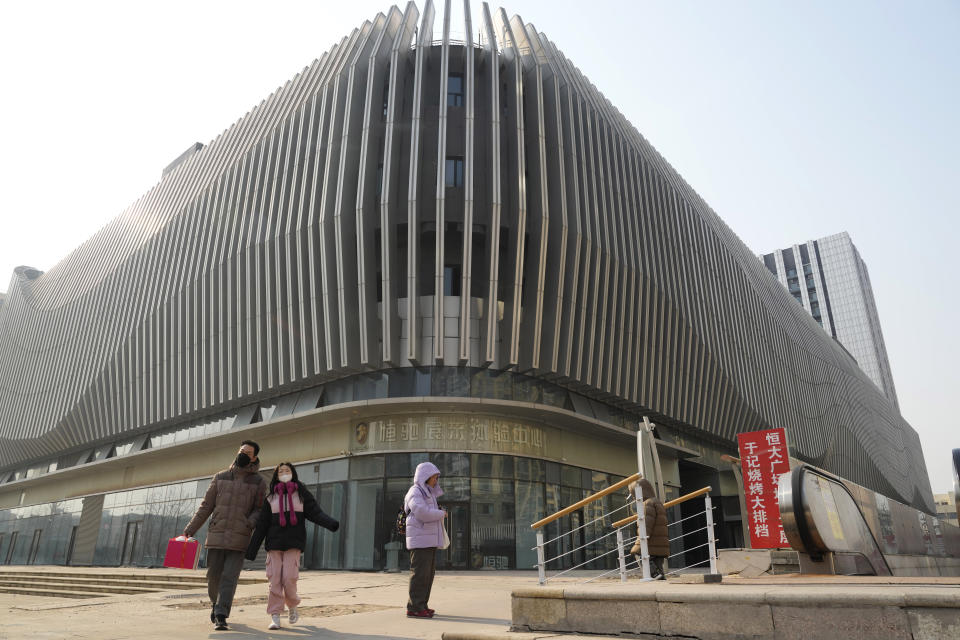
column 106, row 583
column 71, row 585
column 54, row 593
column 156, row 585
column 814, row 608
column 184, row 576
column 97, row 582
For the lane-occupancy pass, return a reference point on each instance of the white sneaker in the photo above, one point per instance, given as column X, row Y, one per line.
column 294, row 615
column 274, row 621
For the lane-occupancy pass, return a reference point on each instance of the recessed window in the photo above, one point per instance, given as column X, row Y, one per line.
column 455, row 90
column 454, row 172
column 451, row 280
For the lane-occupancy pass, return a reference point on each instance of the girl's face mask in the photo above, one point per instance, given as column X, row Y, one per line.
column 286, row 477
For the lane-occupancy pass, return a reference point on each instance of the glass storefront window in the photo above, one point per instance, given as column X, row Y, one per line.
column 452, row 464
column 364, row 505
column 332, row 470
column 530, row 469
column 454, row 489
column 398, row 465
column 599, row 480
column 492, row 524
column 553, row 472
column 366, row 467
column 324, row 549
column 396, row 491
column 491, row 501
column 530, row 507
column 571, row 476
column 485, row 465
column 572, row 522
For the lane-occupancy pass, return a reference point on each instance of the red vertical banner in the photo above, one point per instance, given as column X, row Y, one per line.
column 763, row 457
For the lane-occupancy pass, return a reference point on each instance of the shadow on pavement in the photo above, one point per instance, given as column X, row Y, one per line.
column 237, row 631
column 501, row 621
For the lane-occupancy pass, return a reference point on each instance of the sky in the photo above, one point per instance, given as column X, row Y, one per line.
column 793, row 120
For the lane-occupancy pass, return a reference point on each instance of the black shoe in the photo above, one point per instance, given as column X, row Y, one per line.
column 221, row 624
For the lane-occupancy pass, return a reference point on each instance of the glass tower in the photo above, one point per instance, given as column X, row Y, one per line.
column 830, row 280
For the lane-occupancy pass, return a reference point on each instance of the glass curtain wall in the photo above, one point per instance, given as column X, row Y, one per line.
column 38, row 534
column 491, row 501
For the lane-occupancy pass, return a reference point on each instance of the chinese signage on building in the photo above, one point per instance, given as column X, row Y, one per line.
column 763, row 457
column 460, row 432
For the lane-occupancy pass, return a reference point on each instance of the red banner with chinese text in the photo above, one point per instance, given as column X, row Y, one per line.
column 763, row 457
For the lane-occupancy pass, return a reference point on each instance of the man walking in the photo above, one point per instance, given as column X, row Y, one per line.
column 232, row 503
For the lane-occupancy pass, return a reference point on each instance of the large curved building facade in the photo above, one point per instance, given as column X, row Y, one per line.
column 418, row 246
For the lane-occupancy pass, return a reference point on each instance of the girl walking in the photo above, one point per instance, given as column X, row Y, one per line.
column 424, row 535
column 283, row 523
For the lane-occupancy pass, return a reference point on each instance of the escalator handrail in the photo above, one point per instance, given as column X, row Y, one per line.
column 802, row 523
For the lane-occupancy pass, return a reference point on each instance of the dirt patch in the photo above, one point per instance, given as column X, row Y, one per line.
column 205, row 604
column 331, row 610
column 321, row 611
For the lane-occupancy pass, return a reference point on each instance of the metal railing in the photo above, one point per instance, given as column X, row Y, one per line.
column 709, row 528
column 624, row 567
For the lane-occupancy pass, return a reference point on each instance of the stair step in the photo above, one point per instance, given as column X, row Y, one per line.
column 155, row 585
column 53, row 593
column 187, row 576
column 73, row 586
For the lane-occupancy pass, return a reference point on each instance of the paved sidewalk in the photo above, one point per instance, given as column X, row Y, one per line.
column 371, row 606
column 344, row 605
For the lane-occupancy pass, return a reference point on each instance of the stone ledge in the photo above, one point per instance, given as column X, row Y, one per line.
column 526, row 635
column 832, row 598
column 538, row 592
column 726, row 612
column 799, row 595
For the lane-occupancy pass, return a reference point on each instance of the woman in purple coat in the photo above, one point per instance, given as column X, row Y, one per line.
column 424, row 535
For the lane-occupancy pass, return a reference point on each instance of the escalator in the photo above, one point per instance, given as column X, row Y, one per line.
column 823, row 519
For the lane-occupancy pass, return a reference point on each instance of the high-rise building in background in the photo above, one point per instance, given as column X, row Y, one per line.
column 830, row 280
column 946, row 506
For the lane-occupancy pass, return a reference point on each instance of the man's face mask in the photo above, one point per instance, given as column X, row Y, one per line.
column 242, row 459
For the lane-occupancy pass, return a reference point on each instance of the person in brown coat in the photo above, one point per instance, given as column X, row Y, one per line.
column 232, row 503
column 655, row 519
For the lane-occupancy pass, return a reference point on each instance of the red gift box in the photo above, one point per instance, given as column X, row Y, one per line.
column 182, row 553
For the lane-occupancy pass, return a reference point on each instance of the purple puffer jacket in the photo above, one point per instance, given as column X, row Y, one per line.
column 424, row 516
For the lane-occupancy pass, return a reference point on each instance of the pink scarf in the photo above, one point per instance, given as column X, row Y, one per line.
column 286, row 490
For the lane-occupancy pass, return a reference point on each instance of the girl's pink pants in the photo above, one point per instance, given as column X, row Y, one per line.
column 283, row 569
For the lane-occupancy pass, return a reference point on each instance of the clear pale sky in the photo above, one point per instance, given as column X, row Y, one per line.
column 793, row 120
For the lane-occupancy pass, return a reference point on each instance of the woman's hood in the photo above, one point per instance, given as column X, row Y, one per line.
column 647, row 489
column 423, row 473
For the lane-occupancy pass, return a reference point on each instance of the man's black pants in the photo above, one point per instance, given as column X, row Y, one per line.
column 223, row 572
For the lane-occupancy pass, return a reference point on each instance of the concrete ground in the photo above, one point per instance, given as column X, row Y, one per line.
column 344, row 605
column 371, row 606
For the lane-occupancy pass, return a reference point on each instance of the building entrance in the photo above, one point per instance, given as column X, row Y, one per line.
column 456, row 556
